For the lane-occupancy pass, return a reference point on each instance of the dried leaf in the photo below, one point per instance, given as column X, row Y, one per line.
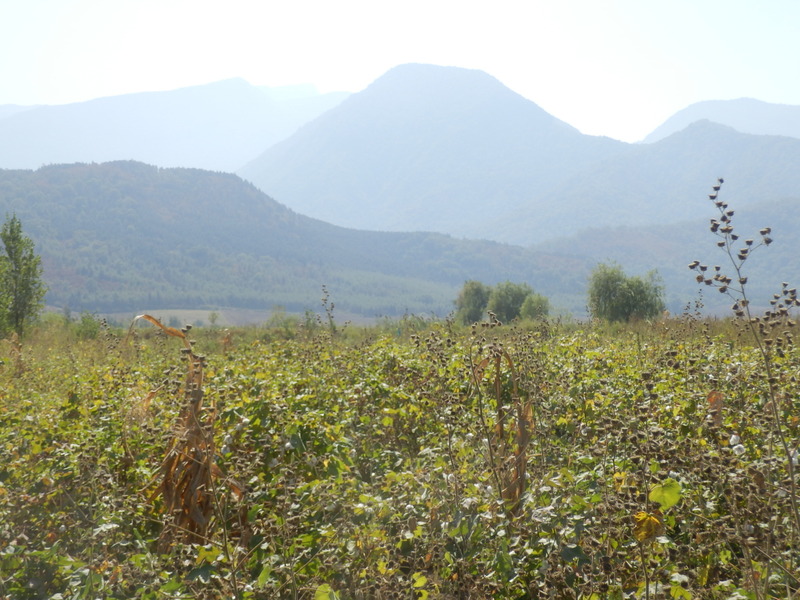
column 477, row 373
column 715, row 400
column 647, row 527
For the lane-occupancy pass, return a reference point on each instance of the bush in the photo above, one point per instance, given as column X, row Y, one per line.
column 507, row 298
column 507, row 301
column 534, row 307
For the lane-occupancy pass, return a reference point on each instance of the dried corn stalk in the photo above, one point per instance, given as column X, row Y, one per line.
column 185, row 480
column 512, row 431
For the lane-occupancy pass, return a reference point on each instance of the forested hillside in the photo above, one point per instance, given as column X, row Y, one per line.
column 123, row 235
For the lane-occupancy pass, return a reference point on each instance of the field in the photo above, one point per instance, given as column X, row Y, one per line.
column 410, row 460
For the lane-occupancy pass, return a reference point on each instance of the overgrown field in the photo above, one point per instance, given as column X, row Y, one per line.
column 487, row 463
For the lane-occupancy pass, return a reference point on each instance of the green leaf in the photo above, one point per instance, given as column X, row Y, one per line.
column 202, row 573
column 263, row 577
column 173, row 585
column 325, row 592
column 666, row 493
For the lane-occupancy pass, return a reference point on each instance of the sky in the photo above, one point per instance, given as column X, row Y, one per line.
column 617, row 68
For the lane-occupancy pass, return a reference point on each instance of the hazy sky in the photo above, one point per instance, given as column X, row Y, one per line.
column 608, row 67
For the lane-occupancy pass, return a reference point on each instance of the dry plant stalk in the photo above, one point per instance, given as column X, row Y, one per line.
column 185, row 480
column 16, row 353
column 227, row 341
column 508, row 456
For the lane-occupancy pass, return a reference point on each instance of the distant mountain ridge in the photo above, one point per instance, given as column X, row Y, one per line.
column 218, row 126
column 745, row 115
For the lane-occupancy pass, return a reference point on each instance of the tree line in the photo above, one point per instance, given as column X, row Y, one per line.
column 507, row 301
column 612, row 296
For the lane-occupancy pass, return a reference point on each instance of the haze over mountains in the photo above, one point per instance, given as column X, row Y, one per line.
column 218, row 126
column 424, row 148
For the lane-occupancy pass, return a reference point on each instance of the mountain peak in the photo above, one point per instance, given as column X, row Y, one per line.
column 423, row 138
column 746, row 115
column 450, row 88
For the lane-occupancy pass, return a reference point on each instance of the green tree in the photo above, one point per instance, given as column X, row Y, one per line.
column 614, row 296
column 472, row 301
column 535, row 307
column 22, row 292
column 507, row 298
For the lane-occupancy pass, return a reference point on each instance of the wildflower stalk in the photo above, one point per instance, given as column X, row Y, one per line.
column 760, row 328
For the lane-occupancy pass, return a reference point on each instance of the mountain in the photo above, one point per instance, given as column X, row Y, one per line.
column 454, row 151
column 7, row 110
column 218, row 126
column 650, row 185
column 746, row 115
column 125, row 236
column 426, row 148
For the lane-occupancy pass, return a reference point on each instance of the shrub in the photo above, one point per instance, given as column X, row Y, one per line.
column 534, row 307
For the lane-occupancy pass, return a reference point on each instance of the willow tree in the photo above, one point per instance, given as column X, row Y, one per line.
column 614, row 296
column 471, row 302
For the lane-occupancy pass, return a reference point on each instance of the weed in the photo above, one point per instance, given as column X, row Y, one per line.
column 771, row 333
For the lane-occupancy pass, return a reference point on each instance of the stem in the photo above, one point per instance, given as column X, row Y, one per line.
column 643, row 558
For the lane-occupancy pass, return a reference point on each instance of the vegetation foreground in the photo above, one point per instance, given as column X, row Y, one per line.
column 491, row 462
